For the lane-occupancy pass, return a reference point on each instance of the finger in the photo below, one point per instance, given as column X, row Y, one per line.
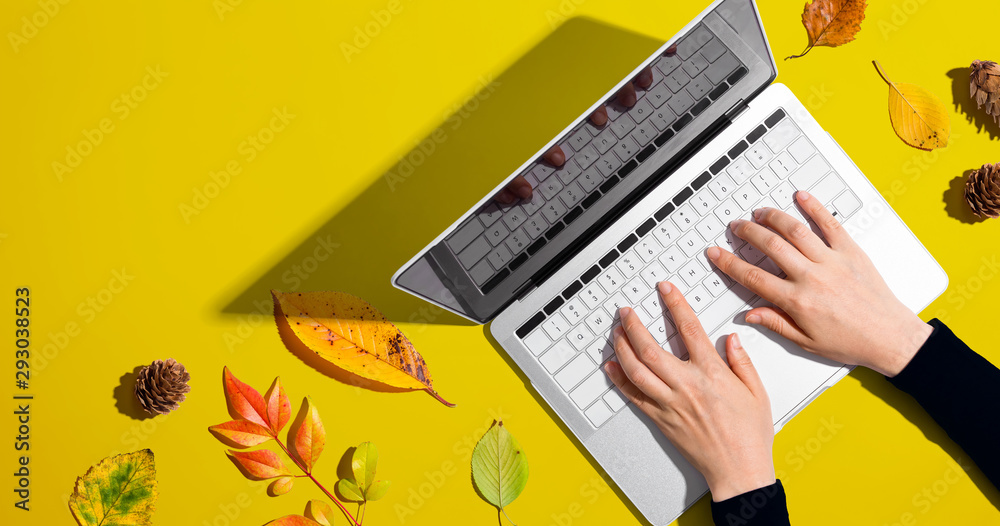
column 647, row 381
column 796, row 232
column 671, row 51
column 621, row 381
column 756, row 280
column 505, row 196
column 662, row 363
column 692, row 333
column 626, row 95
column 555, row 156
column 645, row 78
column 520, row 187
column 780, row 322
column 742, row 367
column 600, row 116
column 832, row 230
column 774, row 246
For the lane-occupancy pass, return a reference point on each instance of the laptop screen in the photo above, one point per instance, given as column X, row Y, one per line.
column 588, row 174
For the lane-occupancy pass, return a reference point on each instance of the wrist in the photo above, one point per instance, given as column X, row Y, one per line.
column 913, row 335
column 729, row 487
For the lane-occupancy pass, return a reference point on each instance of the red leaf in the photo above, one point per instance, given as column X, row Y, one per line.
column 242, row 433
column 244, row 400
column 279, row 410
column 308, row 437
column 260, row 464
column 293, row 520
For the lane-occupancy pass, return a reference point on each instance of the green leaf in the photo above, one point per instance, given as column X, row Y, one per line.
column 377, row 490
column 349, row 490
column 499, row 467
column 363, row 465
column 118, row 490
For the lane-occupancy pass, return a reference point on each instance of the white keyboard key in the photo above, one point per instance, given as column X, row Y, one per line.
column 728, row 211
column 590, row 389
column 490, row 214
column 601, row 350
column 557, row 356
column 518, row 241
column 724, row 308
column 672, row 259
column 536, row 226
column 615, row 302
column 629, row 263
column 698, row 298
column 568, row 172
column 783, row 195
column 590, row 179
column 553, row 211
column 782, row 165
column 550, row 188
column 499, row 257
column 828, row 188
column 750, row 254
column 740, row 170
column 794, row 212
column 809, row 173
column 710, row 227
column 536, row 203
column 653, row 306
column 684, row 217
column 542, row 171
column 537, row 342
column 765, row 181
column 758, row 155
column 474, row 252
column 496, row 233
column 691, row 243
column 847, row 204
column 579, row 139
column 635, row 290
column 666, row 233
column 574, row 310
column 621, row 125
column 580, row 337
column 608, row 165
column 645, row 133
column 662, row 328
column 730, row 241
column 781, row 135
column 692, row 272
column 746, row 197
column 605, row 140
column 662, row 118
column 593, row 295
column 648, row 249
column 575, row 371
column 801, row 149
column 599, row 413
column 615, row 400
column 640, row 111
column 717, row 283
column 626, row 148
column 556, row 326
column 721, row 185
column 703, row 202
column 572, row 194
column 600, row 323
column 465, row 235
column 653, row 274
column 611, row 279
column 586, row 156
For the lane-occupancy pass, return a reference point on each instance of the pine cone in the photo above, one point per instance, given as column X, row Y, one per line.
column 984, row 86
column 982, row 190
column 161, row 386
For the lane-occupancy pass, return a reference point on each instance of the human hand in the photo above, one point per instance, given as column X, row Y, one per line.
column 834, row 302
column 520, row 188
column 717, row 415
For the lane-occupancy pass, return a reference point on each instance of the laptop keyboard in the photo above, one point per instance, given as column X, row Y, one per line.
column 570, row 337
column 498, row 239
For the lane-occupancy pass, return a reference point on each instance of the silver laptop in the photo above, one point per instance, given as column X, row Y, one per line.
column 638, row 200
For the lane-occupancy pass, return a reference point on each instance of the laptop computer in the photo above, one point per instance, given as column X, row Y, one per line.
column 638, row 200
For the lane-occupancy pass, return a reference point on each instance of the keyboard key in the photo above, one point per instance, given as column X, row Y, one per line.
column 691, row 243
column 710, row 227
column 662, row 328
column 666, row 233
column 592, row 295
column 693, row 42
column 740, row 170
column 676, row 80
column 575, row 371
column 782, row 165
column 717, row 283
column 580, row 336
column 758, row 155
column 591, row 389
column 728, row 211
column 666, row 64
column 513, row 217
column 828, row 188
column 847, row 204
column 556, row 326
column 537, row 342
column 535, row 226
column 499, row 257
column 648, row 249
column 672, row 258
column 704, row 201
column 608, row 165
column 474, row 252
column 698, row 88
column 765, row 181
column 658, row 95
column 557, row 356
column 781, row 135
column 644, row 134
column 662, row 118
column 605, row 140
column 590, row 179
column 625, row 149
column 615, row 400
column 809, row 173
column 579, row 139
column 730, row 241
column 616, row 302
column 746, row 197
column 598, row 413
column 622, row 126
column 721, row 186
column 783, row 195
column 586, row 156
column 680, row 102
column 801, row 149
column 481, row 272
column 518, row 241
column 721, row 69
column 571, row 195
column 574, row 310
column 653, row 274
column 611, row 279
column 640, row 111
column 696, row 65
column 713, row 50
column 629, row 264
column 553, row 211
column 599, row 322
column 464, row 235
column 698, row 298
column 684, row 217
column 601, row 350
column 653, row 306
column 635, row 290
column 550, row 188
column 692, row 273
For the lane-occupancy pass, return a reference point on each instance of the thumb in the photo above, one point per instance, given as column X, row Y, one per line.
column 742, row 367
column 780, row 322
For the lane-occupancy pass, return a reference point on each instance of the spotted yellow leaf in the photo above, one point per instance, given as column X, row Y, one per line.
column 919, row 118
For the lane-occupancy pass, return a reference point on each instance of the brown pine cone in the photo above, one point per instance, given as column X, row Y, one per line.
column 982, row 191
column 161, row 386
column 984, row 86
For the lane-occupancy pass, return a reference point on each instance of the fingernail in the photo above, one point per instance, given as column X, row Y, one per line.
column 714, row 253
column 753, row 318
column 610, row 369
column 802, row 195
column 666, row 287
column 525, row 192
column 624, row 311
column 758, row 213
column 735, row 223
column 736, row 341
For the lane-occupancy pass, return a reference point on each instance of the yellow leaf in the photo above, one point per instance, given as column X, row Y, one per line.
column 350, row 333
column 832, row 22
column 918, row 116
column 118, row 490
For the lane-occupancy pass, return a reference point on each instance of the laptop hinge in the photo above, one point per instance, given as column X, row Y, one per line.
column 524, row 289
column 733, row 113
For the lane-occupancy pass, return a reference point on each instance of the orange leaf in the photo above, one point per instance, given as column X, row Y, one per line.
column 307, row 437
column 279, row 410
column 260, row 464
column 293, row 520
column 244, row 400
column 348, row 332
column 281, row 486
column 242, row 433
column 832, row 22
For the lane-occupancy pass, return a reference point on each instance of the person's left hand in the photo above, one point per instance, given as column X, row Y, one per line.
column 717, row 415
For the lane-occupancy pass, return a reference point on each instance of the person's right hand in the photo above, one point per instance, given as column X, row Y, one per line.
column 833, row 301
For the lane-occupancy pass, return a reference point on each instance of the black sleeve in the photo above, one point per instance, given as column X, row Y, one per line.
column 961, row 391
column 760, row 507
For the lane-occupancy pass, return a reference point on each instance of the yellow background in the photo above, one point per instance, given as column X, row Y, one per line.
column 196, row 275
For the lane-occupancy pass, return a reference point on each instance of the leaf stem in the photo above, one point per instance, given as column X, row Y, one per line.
column 324, row 490
column 800, row 55
column 364, row 506
column 438, row 397
column 508, row 516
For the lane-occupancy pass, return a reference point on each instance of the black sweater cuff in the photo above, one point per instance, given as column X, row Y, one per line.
column 760, row 507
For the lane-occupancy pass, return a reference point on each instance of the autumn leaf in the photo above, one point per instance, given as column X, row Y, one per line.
column 320, row 512
column 242, row 433
column 279, row 410
column 293, row 520
column 118, row 490
column 308, row 437
column 260, row 464
column 832, row 22
column 499, row 467
column 919, row 118
column 363, row 486
column 244, row 400
column 281, row 486
column 348, row 332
